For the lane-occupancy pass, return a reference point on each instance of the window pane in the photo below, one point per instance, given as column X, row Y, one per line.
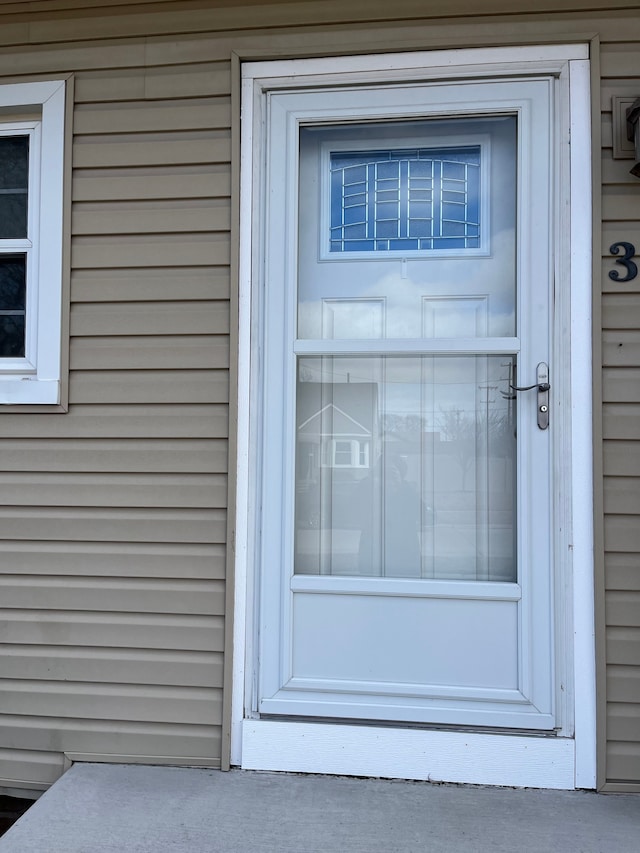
column 12, row 305
column 405, row 467
column 14, row 182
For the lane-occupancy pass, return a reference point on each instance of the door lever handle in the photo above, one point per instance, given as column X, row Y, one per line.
column 543, row 387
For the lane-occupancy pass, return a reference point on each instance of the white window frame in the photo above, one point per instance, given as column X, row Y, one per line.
column 566, row 761
column 36, row 378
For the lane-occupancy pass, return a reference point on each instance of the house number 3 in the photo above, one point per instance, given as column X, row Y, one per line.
column 625, row 261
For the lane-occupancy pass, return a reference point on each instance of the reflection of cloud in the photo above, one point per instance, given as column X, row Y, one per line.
column 492, row 277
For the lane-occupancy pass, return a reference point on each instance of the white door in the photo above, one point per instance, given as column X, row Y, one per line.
column 405, row 568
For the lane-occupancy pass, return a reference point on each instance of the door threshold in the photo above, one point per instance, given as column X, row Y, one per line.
column 513, row 760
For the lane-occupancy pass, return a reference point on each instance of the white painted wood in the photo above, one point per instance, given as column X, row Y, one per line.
column 293, row 628
column 36, row 379
column 435, row 756
column 487, row 758
column 458, row 63
column 581, row 429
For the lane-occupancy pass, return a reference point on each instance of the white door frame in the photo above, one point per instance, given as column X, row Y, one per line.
column 564, row 761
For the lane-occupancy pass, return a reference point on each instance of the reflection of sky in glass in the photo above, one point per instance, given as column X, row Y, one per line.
column 405, row 285
column 424, row 386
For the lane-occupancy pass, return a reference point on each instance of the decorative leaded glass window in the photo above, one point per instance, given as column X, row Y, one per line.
column 412, row 200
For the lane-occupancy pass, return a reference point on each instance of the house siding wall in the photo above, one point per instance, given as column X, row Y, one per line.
column 113, row 516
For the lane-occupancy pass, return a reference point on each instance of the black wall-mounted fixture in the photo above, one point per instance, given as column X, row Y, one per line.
column 633, row 133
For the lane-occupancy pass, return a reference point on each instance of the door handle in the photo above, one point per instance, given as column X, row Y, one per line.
column 542, row 384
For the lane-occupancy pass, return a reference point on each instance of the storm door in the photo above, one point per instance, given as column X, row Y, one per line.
column 405, row 569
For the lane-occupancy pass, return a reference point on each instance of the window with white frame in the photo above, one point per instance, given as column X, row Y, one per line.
column 31, row 202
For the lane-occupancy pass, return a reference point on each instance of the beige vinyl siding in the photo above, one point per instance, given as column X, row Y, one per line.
column 621, row 425
column 113, row 516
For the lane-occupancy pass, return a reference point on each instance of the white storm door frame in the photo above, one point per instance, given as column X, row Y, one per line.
column 530, row 705
column 548, row 762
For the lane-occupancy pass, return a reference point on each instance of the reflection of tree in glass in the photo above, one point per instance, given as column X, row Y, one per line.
column 14, row 179
column 471, row 434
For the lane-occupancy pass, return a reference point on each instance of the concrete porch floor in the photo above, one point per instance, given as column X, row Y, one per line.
column 134, row 809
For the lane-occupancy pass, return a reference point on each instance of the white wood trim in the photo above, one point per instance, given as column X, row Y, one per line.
column 434, row 756
column 455, row 756
column 36, row 379
column 241, row 642
column 458, row 62
column 581, row 428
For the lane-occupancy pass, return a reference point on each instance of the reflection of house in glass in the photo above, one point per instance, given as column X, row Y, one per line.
column 337, row 442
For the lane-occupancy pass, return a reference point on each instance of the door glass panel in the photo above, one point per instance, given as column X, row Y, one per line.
column 405, row 467
column 407, row 230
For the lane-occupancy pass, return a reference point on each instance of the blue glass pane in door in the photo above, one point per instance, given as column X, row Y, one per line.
column 405, row 200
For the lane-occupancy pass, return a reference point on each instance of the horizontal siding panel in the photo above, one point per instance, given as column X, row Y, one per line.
column 117, row 630
column 622, row 533
column 111, row 666
column 150, row 421
column 113, row 525
column 200, row 182
column 621, row 384
column 623, row 684
column 623, row 610
column 620, row 60
column 187, row 81
column 112, row 702
column 37, row 769
column 116, row 490
column 50, row 60
column 620, row 202
column 623, row 722
column 620, row 311
column 99, row 155
column 176, row 318
column 117, row 595
column 623, row 761
column 150, row 353
column 182, row 456
column 275, row 15
column 623, row 647
column 160, row 251
column 150, row 285
column 621, row 348
column 615, row 172
column 149, row 386
column 141, row 219
column 109, row 737
column 621, row 421
column 622, row 458
column 141, row 117
column 116, row 559
column 623, row 572
column 622, row 495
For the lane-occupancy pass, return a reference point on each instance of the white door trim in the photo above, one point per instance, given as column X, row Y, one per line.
column 559, row 762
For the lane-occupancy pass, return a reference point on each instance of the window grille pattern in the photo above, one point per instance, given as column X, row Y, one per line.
column 405, row 200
